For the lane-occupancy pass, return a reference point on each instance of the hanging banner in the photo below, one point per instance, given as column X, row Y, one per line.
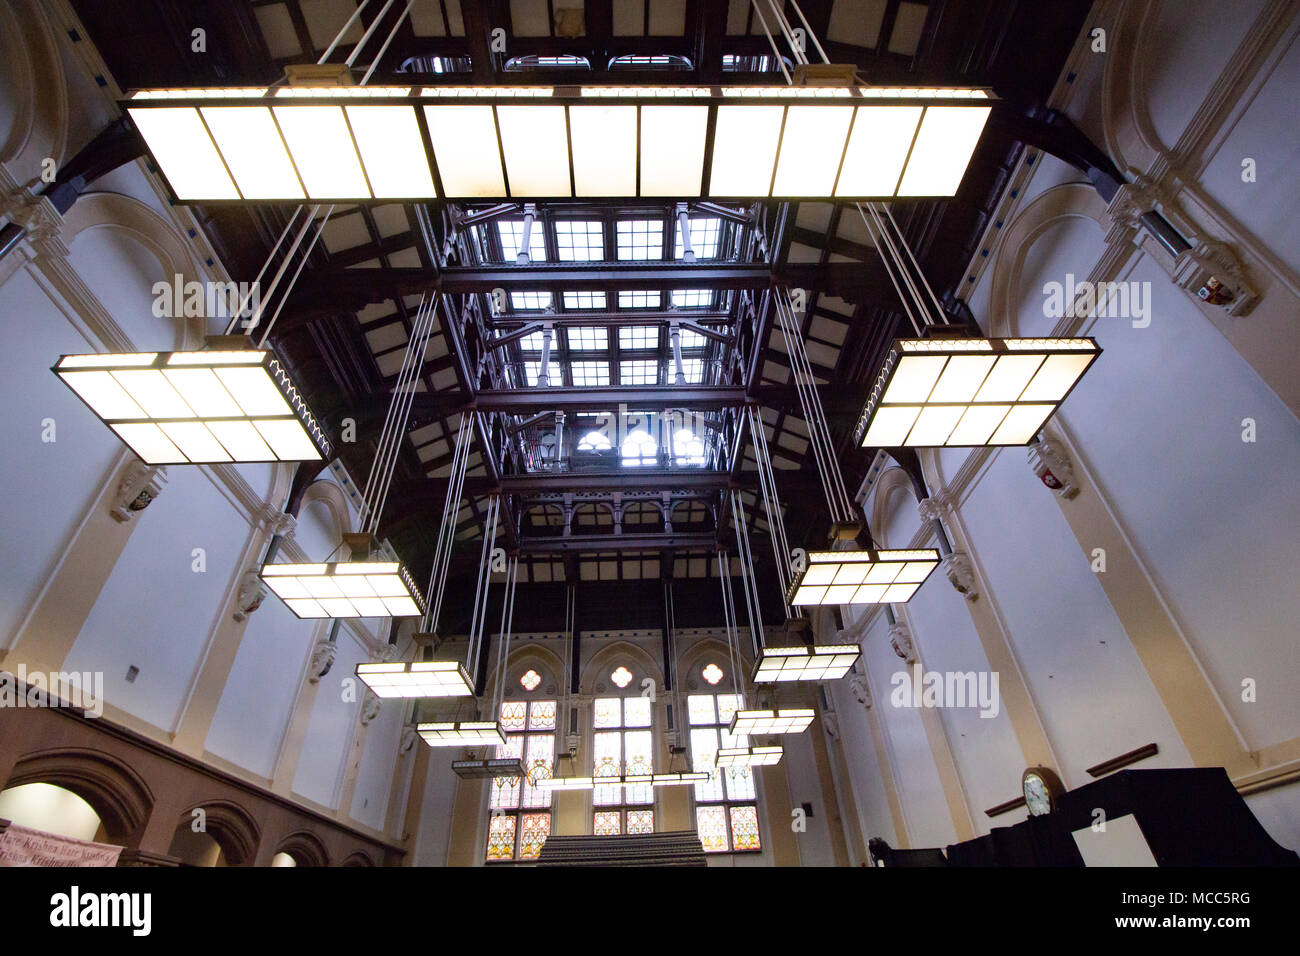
column 20, row 846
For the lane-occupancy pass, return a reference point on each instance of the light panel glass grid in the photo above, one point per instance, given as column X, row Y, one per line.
column 590, row 373
column 363, row 144
column 345, row 589
column 748, row 756
column 580, row 240
column 584, row 300
column 640, row 239
column 210, row 406
column 461, row 733
column 511, row 233
column 861, row 577
column 639, row 300
column 522, row 301
column 693, row 370
column 417, row 679
column 704, row 238
column 638, row 337
column 967, row 392
column 503, row 768
column 759, row 722
column 692, row 298
column 588, row 339
column 821, row 662
column 533, row 342
column 638, row 372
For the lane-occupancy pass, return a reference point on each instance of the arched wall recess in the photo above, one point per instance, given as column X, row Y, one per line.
column 40, row 127
column 231, row 826
column 114, row 790
column 305, row 847
column 524, row 657
column 635, row 658
column 130, row 216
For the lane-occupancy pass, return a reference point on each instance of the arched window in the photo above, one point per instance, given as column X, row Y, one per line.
column 521, row 810
column 639, row 449
column 687, row 449
column 594, row 441
column 623, row 745
column 726, row 811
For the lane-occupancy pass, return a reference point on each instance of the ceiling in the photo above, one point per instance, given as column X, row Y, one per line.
column 614, row 276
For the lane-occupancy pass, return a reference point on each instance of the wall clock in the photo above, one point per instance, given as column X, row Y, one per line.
column 1042, row 789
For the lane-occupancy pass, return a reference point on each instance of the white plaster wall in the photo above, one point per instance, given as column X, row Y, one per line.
column 800, row 760
column 866, row 771
column 331, row 727
column 378, row 761
column 51, row 484
column 155, row 612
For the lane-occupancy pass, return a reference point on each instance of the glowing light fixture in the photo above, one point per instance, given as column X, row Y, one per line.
column 221, row 404
column 417, row 679
column 632, row 780
column 758, row 722
column 820, row 662
column 748, row 756
column 860, row 577
column 966, row 392
column 382, row 143
column 356, row 589
column 461, row 733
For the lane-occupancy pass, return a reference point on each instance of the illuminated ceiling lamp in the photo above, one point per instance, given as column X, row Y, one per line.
column 959, row 391
column 631, row 780
column 833, row 578
column 766, row 722
column 414, row 679
column 748, row 756
column 949, row 388
column 461, row 733
column 379, row 144
column 348, row 589
column 803, row 663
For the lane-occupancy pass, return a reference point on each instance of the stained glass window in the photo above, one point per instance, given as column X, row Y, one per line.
column 623, row 746
column 521, row 810
column 726, row 816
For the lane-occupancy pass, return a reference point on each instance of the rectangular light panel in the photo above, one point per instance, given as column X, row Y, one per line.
column 203, row 407
column 352, row 589
column 495, row 767
column 731, row 143
column 461, row 733
column 970, row 392
column 821, row 662
column 756, row 722
column 833, row 578
column 748, row 756
column 417, row 678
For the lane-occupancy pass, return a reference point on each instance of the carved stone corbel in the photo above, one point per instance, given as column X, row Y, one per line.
column 251, row 594
column 139, row 485
column 961, row 574
column 860, row 690
column 370, row 707
column 900, row 639
column 1211, row 272
column 409, row 737
column 322, row 659
column 1051, row 463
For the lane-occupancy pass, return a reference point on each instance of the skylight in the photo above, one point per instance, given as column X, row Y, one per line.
column 584, row 300
column 585, row 339
column 511, row 232
column 638, row 372
column 639, row 449
column 532, row 342
column 638, row 337
column 687, row 449
column 640, row 238
column 530, row 300
column 692, row 298
column 704, row 238
column 595, row 441
column 590, row 373
column 693, row 369
column 580, row 240
column 531, row 370
column 639, row 300
column 691, row 340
